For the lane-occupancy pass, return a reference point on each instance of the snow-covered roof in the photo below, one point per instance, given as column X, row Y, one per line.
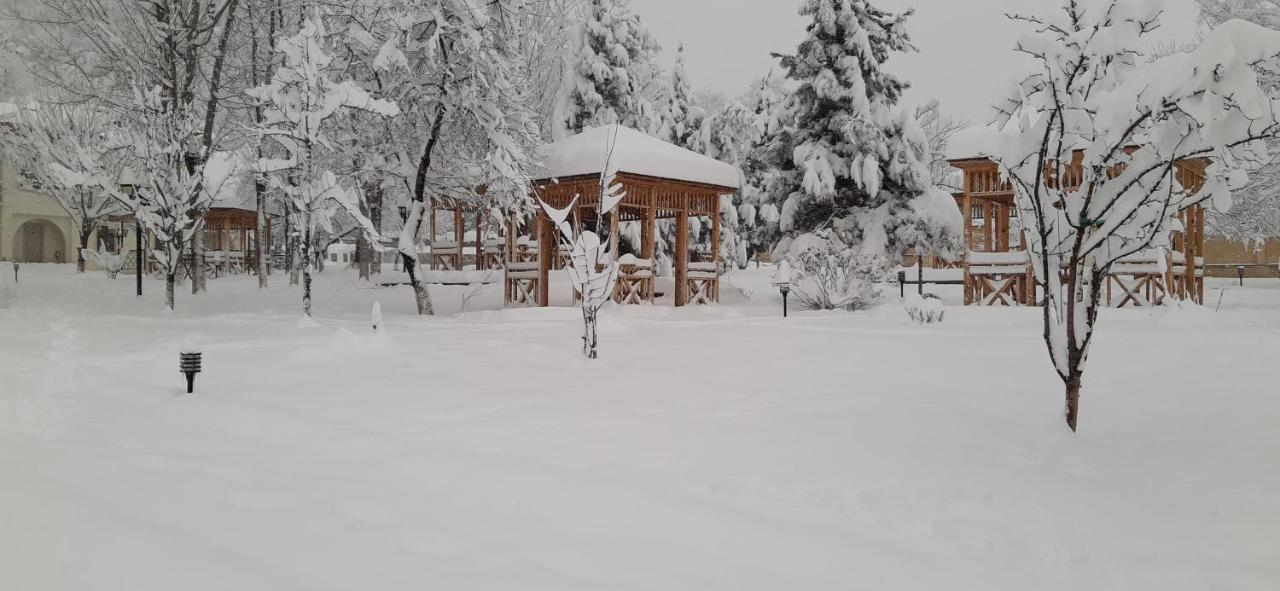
column 633, row 152
column 972, row 142
column 7, row 109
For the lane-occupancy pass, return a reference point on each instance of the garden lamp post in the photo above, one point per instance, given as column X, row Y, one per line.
column 128, row 187
column 189, row 361
column 782, row 279
column 15, row 271
column 1240, row 274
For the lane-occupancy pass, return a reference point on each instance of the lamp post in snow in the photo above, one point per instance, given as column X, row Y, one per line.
column 782, row 279
column 189, row 362
column 15, row 271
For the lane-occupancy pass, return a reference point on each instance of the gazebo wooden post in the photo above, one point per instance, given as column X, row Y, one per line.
column 647, row 232
column 459, row 232
column 546, row 250
column 715, row 244
column 682, row 254
column 511, row 237
column 967, row 216
column 614, row 232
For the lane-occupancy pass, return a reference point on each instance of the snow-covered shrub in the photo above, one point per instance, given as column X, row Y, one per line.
column 926, row 309
column 111, row 264
column 835, row 277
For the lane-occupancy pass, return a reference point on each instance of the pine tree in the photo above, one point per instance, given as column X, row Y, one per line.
column 680, row 119
column 600, row 86
column 850, row 164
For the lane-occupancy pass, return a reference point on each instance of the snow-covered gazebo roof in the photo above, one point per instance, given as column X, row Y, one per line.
column 635, row 153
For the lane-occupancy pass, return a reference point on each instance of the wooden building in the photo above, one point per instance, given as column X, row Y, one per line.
column 662, row 182
column 996, row 268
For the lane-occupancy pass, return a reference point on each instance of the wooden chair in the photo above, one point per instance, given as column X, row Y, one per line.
column 1142, row 279
column 702, row 283
column 635, row 281
column 492, row 252
column 446, row 256
column 522, row 283
column 997, row 278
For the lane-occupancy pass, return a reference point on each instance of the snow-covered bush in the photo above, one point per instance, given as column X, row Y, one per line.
column 833, row 277
column 111, row 264
column 926, row 309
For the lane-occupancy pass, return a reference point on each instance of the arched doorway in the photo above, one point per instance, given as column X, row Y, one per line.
column 39, row 241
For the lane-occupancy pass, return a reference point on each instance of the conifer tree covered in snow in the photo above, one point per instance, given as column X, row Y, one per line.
column 301, row 98
column 601, row 85
column 729, row 136
column 853, row 169
column 1130, row 122
column 680, row 119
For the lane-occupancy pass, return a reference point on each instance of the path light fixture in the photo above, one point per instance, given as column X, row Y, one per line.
column 782, row 279
column 1240, row 274
column 189, row 361
column 15, row 271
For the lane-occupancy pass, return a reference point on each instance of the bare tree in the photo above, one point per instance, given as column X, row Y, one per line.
column 1128, row 126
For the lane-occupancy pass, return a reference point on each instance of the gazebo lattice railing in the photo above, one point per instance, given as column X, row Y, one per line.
column 997, row 272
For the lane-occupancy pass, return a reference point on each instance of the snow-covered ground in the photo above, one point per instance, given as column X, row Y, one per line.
column 709, row 448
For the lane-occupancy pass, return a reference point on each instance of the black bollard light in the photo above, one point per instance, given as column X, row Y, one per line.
column 15, row 271
column 1240, row 274
column 189, row 363
column 785, row 289
column 902, row 284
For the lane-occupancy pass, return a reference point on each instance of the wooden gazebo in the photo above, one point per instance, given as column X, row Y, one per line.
column 661, row 180
column 996, row 269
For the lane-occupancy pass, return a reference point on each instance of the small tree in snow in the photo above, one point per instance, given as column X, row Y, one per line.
column 300, row 98
column 591, row 269
column 64, row 151
column 1131, row 123
column 680, row 119
column 178, row 180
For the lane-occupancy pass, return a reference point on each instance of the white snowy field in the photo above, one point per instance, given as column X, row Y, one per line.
column 709, row 448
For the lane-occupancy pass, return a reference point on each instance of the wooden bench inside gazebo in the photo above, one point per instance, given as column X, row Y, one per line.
column 996, row 268
column 662, row 182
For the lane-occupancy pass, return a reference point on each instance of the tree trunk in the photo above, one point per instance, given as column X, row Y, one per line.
column 375, row 217
column 421, row 297
column 292, row 256
column 197, row 260
column 589, row 339
column 84, row 243
column 170, row 279
column 1073, row 400
column 263, row 254
column 306, row 264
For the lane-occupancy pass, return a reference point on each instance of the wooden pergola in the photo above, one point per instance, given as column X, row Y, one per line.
column 450, row 255
column 235, row 234
column 662, row 181
column 996, row 271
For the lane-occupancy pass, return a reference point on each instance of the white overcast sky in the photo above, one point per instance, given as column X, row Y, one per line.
column 964, row 59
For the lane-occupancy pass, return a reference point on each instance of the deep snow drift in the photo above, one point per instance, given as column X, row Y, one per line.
column 709, row 448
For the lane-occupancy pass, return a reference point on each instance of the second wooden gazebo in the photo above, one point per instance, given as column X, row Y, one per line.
column 661, row 180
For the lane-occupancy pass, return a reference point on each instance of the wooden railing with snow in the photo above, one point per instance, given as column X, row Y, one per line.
column 998, row 279
column 635, row 281
column 522, row 283
column 703, row 283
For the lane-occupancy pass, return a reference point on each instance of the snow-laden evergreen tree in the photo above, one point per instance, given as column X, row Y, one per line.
column 680, row 119
column 763, row 166
column 853, row 169
column 1129, row 123
column 600, row 85
column 729, row 136
column 1255, row 209
column 300, row 100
